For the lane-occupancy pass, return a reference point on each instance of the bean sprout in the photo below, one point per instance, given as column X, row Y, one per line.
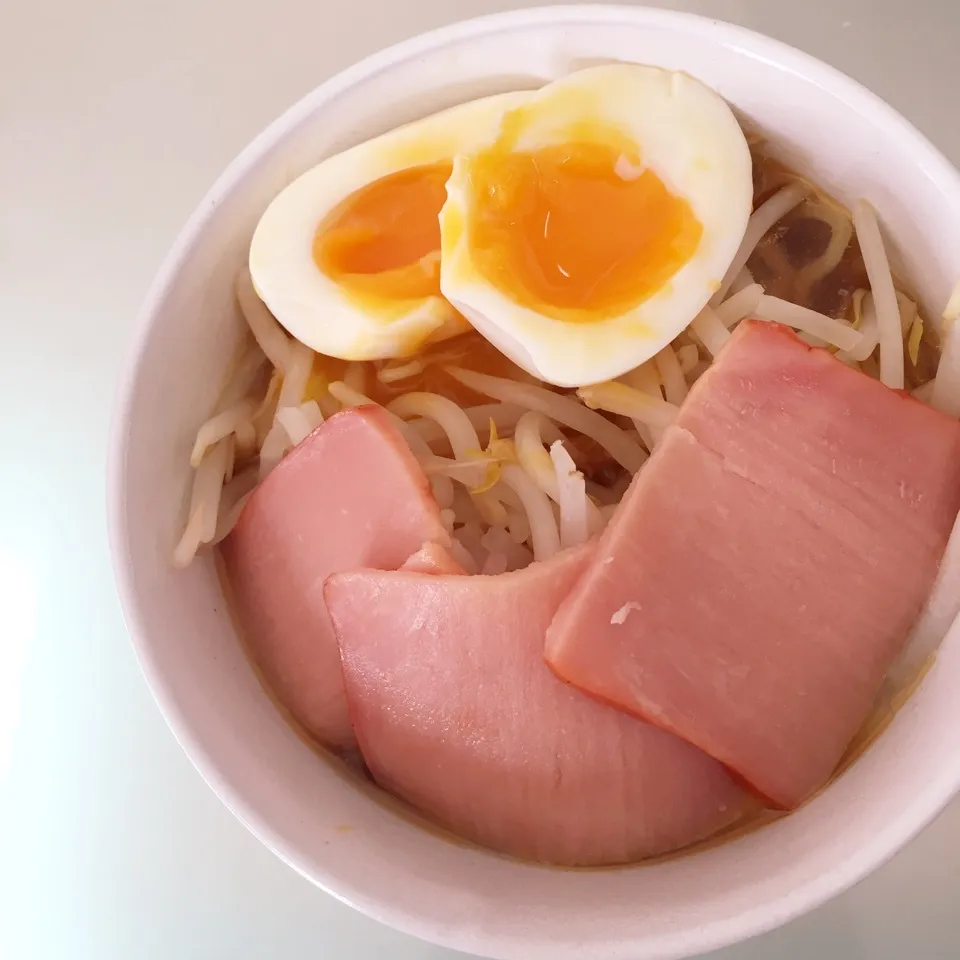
column 204, row 501
column 619, row 398
column 451, row 417
column 625, row 451
column 237, row 420
column 671, row 376
column 574, row 527
column 300, row 422
column 543, row 525
column 837, row 332
column 711, row 331
column 739, row 305
column 884, row 296
column 869, row 332
column 270, row 336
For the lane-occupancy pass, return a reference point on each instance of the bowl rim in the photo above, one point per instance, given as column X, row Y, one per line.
column 758, row 918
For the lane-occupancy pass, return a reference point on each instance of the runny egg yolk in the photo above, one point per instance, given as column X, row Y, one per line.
column 578, row 231
column 383, row 240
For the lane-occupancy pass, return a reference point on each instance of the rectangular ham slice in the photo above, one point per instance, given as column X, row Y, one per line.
column 351, row 495
column 766, row 564
column 456, row 712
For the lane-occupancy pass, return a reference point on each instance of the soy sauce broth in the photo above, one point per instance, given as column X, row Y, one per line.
column 811, row 257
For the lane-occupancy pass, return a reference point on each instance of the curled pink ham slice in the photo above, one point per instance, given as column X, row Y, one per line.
column 766, row 565
column 351, row 495
column 456, row 712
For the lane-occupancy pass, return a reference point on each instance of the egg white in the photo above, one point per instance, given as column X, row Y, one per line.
column 687, row 135
column 313, row 307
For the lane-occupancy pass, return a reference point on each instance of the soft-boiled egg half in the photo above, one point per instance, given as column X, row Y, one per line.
column 579, row 228
column 347, row 257
column 596, row 221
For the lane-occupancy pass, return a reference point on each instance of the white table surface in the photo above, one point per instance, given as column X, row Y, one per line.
column 115, row 118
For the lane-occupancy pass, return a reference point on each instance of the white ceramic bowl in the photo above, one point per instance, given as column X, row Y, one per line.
column 341, row 836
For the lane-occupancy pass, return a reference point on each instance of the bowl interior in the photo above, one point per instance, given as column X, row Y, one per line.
column 302, row 805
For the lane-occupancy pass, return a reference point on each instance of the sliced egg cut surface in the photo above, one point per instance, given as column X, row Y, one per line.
column 347, row 257
column 384, row 240
column 597, row 221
